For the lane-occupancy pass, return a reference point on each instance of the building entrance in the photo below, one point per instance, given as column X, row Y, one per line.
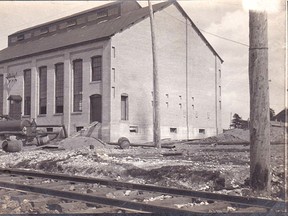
column 95, row 108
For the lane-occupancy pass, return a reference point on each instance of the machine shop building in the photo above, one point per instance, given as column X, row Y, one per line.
column 96, row 66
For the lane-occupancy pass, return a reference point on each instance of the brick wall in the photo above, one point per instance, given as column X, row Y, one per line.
column 133, row 66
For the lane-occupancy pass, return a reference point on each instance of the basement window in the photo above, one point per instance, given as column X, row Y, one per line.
column 133, row 129
column 49, row 129
column 173, row 130
column 201, row 131
column 79, row 128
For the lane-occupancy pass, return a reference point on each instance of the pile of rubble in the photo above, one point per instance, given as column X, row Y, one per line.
column 243, row 136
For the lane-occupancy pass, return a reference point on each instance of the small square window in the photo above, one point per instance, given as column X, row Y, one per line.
column 44, row 30
column 201, row 131
column 173, row 130
column 20, row 37
column 71, row 23
column 133, row 129
column 79, row 128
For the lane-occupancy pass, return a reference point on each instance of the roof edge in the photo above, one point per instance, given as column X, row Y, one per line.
column 55, row 49
column 197, row 29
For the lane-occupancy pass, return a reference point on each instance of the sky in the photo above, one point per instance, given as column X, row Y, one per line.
column 227, row 19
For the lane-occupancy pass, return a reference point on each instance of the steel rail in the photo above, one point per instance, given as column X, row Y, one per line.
column 94, row 199
column 249, row 201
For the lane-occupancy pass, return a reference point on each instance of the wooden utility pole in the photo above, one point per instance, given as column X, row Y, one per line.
column 259, row 103
column 156, row 102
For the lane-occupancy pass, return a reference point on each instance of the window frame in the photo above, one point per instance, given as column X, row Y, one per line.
column 125, row 109
column 77, row 92
column 27, row 91
column 59, row 88
column 42, row 90
column 96, row 70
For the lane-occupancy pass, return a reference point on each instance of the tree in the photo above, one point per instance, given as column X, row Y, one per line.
column 236, row 121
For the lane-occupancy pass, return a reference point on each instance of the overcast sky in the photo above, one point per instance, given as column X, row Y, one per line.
column 224, row 18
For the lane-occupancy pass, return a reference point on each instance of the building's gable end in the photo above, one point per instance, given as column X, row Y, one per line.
column 197, row 30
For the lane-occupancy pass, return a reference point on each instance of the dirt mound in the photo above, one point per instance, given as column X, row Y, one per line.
column 231, row 136
column 81, row 142
column 241, row 135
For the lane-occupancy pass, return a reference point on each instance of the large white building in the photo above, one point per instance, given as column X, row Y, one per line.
column 97, row 66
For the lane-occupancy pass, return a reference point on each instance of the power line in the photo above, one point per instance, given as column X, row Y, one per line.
column 224, row 38
column 227, row 39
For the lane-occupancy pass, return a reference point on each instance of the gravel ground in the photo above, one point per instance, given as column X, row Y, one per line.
column 204, row 167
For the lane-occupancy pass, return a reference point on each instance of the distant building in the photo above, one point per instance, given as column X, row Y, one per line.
column 97, row 66
column 280, row 117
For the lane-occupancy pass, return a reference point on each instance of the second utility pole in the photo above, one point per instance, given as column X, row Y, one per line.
column 259, row 103
column 156, row 103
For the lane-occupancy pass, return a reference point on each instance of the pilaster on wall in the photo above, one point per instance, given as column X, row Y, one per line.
column 34, row 90
column 106, row 92
column 67, row 92
column 5, row 93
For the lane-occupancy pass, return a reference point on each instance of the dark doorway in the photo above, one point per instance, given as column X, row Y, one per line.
column 15, row 102
column 95, row 108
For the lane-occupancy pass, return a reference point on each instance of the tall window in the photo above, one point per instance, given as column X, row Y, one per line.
column 27, row 92
column 77, row 85
column 1, row 92
column 124, row 107
column 96, row 63
column 43, row 90
column 59, row 88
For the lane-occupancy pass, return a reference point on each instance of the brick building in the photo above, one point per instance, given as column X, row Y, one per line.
column 97, row 66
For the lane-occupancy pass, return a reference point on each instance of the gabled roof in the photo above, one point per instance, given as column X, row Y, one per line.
column 88, row 34
column 70, row 16
column 281, row 116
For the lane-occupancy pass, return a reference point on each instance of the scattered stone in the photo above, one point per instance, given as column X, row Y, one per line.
column 72, row 188
column 196, row 200
column 110, row 195
column 246, row 192
column 219, row 183
column 89, row 190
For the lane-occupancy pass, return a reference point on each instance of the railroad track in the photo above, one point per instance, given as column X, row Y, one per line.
column 57, row 185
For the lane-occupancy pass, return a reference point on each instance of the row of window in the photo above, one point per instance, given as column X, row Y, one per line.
column 134, row 129
column 96, row 66
column 102, row 14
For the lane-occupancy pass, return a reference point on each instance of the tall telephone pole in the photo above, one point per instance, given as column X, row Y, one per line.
column 156, row 102
column 259, row 103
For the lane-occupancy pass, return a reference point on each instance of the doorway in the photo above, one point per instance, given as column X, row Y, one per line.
column 95, row 108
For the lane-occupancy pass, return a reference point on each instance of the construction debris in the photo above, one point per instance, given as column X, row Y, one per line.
column 218, row 168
